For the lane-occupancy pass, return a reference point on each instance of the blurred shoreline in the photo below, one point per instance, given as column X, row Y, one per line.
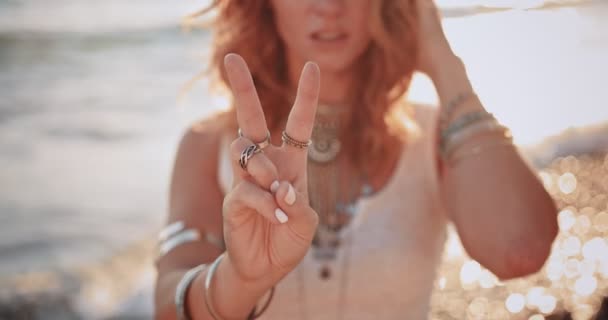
column 471, row 10
column 573, row 141
column 94, row 290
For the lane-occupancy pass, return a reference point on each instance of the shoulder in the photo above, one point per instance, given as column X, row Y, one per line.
column 425, row 114
column 204, row 135
column 199, row 147
column 195, row 197
column 195, row 170
column 419, row 121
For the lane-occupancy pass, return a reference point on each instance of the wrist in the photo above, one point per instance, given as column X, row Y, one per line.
column 446, row 67
column 233, row 296
column 228, row 269
column 450, row 79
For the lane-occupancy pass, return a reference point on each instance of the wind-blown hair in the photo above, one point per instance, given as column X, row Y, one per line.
column 384, row 72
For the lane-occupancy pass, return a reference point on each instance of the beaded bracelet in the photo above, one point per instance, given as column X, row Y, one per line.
column 459, row 138
column 450, row 107
column 465, row 120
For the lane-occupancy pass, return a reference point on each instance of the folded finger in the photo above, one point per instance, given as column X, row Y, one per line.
column 247, row 195
column 303, row 219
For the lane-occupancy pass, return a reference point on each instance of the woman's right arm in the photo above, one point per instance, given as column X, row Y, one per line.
column 268, row 225
column 196, row 199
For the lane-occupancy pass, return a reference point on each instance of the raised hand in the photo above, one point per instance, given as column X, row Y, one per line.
column 433, row 46
column 268, row 223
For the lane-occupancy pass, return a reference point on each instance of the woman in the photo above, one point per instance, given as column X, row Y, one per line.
column 352, row 225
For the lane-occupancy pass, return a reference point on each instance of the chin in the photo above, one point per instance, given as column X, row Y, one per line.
column 334, row 64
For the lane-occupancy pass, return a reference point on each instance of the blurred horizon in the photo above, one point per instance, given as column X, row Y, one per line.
column 79, row 16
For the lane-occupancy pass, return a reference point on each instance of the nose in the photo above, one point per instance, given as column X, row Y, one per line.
column 329, row 8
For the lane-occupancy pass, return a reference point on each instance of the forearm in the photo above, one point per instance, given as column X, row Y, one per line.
column 232, row 298
column 505, row 218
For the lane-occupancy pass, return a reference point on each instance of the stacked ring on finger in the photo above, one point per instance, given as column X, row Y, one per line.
column 262, row 144
column 247, row 154
column 287, row 139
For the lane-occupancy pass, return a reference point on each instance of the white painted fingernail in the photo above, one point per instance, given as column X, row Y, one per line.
column 290, row 197
column 274, row 186
column 281, row 216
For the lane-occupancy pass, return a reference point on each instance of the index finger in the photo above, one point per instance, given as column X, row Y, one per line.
column 249, row 112
column 302, row 115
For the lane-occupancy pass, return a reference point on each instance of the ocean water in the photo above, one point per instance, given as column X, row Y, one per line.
column 89, row 115
column 89, row 121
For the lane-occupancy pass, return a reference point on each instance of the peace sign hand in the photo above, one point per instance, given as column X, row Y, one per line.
column 269, row 225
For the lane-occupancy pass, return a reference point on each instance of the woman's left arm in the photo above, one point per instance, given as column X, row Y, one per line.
column 504, row 216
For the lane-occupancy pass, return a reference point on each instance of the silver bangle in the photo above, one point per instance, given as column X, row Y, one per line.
column 176, row 234
column 208, row 279
column 464, row 121
column 456, row 158
column 458, row 138
column 209, row 301
column 182, row 288
column 177, row 240
column 171, row 230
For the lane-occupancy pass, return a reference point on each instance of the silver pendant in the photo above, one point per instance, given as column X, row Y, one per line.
column 324, row 148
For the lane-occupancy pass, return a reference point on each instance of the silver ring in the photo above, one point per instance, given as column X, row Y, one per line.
column 262, row 144
column 247, row 154
column 287, row 139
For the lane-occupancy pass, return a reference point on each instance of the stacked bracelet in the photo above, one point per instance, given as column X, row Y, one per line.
column 182, row 288
column 456, row 158
column 209, row 301
column 458, row 132
column 464, row 121
column 208, row 279
column 450, row 107
column 177, row 234
column 458, row 138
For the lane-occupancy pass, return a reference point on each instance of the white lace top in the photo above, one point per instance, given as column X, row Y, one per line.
column 386, row 264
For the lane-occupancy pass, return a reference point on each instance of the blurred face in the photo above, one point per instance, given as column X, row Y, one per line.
column 332, row 33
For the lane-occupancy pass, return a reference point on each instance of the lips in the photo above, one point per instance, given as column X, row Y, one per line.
column 329, row 36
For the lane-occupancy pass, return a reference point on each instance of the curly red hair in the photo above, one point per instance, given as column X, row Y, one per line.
column 384, row 70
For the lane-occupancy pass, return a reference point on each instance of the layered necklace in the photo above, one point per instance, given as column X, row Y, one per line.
column 334, row 192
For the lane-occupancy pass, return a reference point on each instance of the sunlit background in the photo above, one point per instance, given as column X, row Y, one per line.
column 89, row 121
